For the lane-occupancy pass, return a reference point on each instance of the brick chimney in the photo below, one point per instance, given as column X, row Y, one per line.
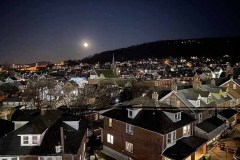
column 213, row 82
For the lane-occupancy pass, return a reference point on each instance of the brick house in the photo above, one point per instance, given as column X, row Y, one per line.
column 229, row 116
column 140, row 134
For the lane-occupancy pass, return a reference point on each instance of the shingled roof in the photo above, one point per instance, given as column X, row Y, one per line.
column 153, row 120
column 210, row 124
column 11, row 144
column 184, row 147
column 228, row 113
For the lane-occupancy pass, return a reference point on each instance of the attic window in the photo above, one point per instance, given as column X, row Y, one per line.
column 130, row 114
column 177, row 116
column 198, row 103
column 234, row 86
column 30, row 140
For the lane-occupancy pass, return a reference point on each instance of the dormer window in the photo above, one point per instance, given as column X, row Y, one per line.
column 30, row 140
column 177, row 116
column 234, row 86
column 133, row 112
column 130, row 114
column 198, row 103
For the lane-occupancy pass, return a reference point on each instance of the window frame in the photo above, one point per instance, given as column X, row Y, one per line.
column 110, row 138
column 234, row 86
column 172, row 137
column 110, row 122
column 128, row 147
column 129, row 129
column 177, row 116
column 8, row 158
column 30, row 141
column 187, row 130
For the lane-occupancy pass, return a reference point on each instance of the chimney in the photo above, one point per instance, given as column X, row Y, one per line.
column 155, row 96
column 62, row 138
column 174, row 87
column 213, row 81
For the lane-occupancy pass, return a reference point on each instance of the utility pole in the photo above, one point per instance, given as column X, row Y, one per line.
column 62, row 139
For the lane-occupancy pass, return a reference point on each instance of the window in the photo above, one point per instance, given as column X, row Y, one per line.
column 171, row 137
column 9, row 158
column 130, row 114
column 25, row 140
column 34, row 140
column 50, row 158
column 198, row 103
column 168, row 101
column 209, row 100
column 110, row 122
column 187, row 130
column 234, row 86
column 129, row 129
column 129, row 147
column 110, row 138
column 177, row 116
column 199, row 117
column 29, row 140
column 178, row 103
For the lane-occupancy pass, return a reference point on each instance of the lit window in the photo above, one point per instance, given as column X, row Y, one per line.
column 110, row 122
column 129, row 129
column 178, row 103
column 129, row 147
column 186, row 130
column 234, row 86
column 110, row 138
column 171, row 137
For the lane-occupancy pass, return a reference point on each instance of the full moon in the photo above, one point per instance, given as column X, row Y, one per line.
column 85, row 44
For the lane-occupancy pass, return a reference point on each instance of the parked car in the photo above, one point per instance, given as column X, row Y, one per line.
column 236, row 155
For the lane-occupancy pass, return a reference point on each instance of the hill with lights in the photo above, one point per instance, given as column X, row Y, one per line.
column 207, row 47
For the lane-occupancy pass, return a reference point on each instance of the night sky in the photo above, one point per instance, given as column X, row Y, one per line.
column 54, row 30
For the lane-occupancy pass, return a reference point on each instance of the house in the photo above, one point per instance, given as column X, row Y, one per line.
column 124, row 129
column 103, row 74
column 217, row 72
column 49, row 136
column 212, row 129
column 80, row 81
column 11, row 80
column 22, row 85
column 229, row 116
column 219, row 95
column 191, row 102
column 161, row 83
column 233, row 89
column 14, row 101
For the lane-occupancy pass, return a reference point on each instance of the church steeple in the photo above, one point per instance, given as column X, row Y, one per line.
column 113, row 62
